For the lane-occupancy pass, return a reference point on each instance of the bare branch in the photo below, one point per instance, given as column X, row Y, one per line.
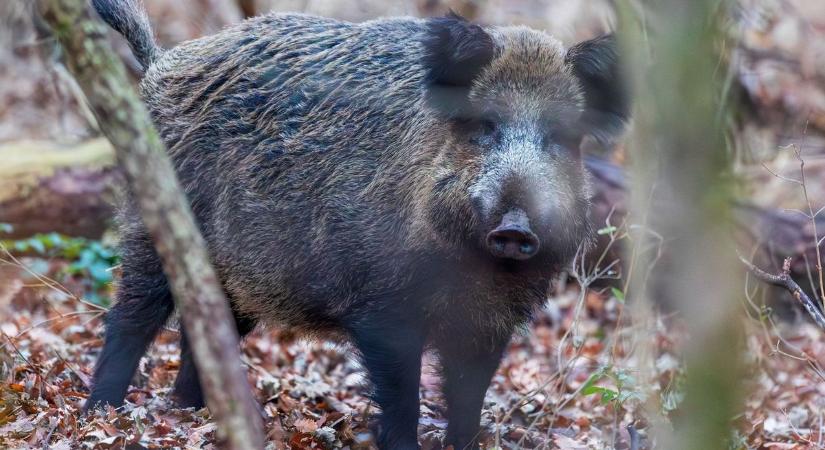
column 784, row 280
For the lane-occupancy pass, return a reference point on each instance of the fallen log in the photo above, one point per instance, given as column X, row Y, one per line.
column 769, row 234
column 47, row 187
column 775, row 240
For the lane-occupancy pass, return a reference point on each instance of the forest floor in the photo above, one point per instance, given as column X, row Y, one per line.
column 564, row 384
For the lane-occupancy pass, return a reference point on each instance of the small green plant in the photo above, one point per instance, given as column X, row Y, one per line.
column 618, row 294
column 608, row 230
column 90, row 260
column 625, row 387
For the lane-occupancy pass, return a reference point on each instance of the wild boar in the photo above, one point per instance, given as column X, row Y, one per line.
column 405, row 183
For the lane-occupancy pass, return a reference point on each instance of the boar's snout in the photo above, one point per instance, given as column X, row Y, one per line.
column 513, row 238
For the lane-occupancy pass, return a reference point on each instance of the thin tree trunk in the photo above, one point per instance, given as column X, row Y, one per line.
column 166, row 214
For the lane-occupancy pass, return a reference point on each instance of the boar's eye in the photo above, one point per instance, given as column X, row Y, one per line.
column 488, row 126
column 480, row 128
column 569, row 140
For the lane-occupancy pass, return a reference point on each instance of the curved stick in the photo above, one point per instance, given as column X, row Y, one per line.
column 784, row 280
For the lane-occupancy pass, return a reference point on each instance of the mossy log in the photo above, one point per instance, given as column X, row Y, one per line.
column 47, row 187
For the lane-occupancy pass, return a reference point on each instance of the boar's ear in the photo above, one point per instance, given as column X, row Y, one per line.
column 455, row 53
column 607, row 105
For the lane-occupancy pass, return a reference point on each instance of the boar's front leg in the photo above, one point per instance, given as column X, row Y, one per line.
column 144, row 303
column 391, row 350
column 467, row 366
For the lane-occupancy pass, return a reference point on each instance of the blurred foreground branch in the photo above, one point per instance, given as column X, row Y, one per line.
column 679, row 158
column 166, row 214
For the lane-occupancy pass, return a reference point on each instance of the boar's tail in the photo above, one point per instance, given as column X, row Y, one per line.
column 129, row 18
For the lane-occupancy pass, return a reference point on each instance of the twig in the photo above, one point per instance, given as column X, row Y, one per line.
column 784, row 280
column 53, row 319
column 43, row 279
column 16, row 350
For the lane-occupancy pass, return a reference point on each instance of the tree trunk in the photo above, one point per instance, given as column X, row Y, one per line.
column 48, row 188
column 198, row 295
column 678, row 155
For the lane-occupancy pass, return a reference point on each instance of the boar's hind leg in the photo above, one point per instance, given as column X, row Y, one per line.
column 188, row 393
column 468, row 367
column 143, row 305
column 391, row 352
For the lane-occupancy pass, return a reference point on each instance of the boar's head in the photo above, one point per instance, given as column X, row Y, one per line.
column 516, row 106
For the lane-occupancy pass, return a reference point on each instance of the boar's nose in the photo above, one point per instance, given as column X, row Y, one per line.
column 512, row 238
